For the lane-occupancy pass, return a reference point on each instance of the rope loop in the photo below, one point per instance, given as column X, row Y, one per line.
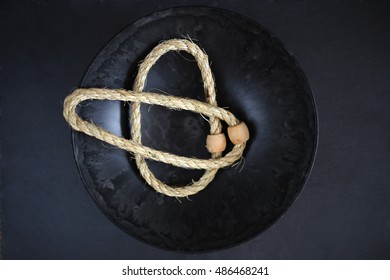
column 237, row 131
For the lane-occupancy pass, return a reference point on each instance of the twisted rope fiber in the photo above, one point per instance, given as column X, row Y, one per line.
column 137, row 96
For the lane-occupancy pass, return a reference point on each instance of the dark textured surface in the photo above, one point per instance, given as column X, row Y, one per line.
column 343, row 211
column 256, row 79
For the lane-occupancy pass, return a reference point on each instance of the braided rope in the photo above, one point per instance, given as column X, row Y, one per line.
column 137, row 96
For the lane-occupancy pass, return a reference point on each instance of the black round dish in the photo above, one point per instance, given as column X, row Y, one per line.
column 256, row 78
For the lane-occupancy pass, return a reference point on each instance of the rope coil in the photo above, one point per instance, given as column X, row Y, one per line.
column 137, row 96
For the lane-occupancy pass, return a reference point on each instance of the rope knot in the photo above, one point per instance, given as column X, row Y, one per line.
column 216, row 141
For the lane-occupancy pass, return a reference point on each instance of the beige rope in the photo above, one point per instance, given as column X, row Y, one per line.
column 137, row 96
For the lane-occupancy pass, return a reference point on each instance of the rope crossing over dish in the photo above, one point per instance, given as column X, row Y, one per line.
column 216, row 141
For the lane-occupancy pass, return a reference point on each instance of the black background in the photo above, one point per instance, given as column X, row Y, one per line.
column 343, row 211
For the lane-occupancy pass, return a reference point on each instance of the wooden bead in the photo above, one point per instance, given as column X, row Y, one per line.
column 239, row 133
column 216, row 143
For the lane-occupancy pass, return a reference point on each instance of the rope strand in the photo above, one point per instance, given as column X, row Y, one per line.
column 137, row 96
